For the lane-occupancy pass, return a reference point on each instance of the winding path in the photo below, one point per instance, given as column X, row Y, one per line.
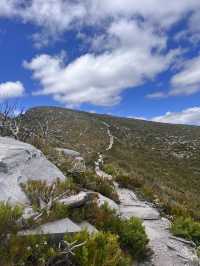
column 100, row 161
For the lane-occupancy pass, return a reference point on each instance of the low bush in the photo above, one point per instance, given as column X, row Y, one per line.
column 110, row 169
column 99, row 249
column 186, row 228
column 88, row 250
column 131, row 181
column 38, row 191
column 58, row 211
column 132, row 236
column 90, row 181
column 9, row 217
column 27, row 251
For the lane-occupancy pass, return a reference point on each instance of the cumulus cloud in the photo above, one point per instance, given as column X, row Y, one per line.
column 10, row 90
column 187, row 81
column 100, row 79
column 56, row 16
column 152, row 10
column 189, row 116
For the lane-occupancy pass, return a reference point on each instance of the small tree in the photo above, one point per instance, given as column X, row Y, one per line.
column 11, row 120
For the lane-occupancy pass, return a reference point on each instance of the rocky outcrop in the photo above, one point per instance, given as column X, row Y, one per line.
column 20, row 162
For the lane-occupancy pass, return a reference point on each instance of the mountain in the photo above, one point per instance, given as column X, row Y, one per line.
column 160, row 161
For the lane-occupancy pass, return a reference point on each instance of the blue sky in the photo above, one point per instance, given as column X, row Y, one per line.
column 124, row 57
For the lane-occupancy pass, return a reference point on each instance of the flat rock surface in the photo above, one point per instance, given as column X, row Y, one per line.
column 130, row 206
column 168, row 250
column 57, row 227
column 20, row 162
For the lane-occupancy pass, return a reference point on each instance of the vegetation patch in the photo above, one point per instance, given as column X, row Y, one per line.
column 45, row 197
column 100, row 249
column 187, row 228
column 92, row 182
column 132, row 235
column 39, row 191
column 9, row 219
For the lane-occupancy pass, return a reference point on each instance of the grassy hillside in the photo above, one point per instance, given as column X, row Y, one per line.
column 160, row 161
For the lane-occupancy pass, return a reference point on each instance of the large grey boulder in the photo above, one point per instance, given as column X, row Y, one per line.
column 20, row 162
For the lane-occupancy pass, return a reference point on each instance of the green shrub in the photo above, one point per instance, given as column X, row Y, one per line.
column 186, row 228
column 27, row 251
column 131, row 181
column 58, row 211
column 37, row 190
column 110, row 169
column 90, row 181
column 9, row 217
column 104, row 218
column 97, row 250
column 100, row 249
column 132, row 236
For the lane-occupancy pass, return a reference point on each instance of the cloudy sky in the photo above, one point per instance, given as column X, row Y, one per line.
column 134, row 58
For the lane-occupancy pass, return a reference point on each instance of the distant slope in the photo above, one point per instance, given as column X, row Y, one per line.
column 161, row 160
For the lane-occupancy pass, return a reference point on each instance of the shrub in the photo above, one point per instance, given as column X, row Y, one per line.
column 99, row 249
column 90, row 181
column 9, row 217
column 104, row 218
column 132, row 236
column 58, row 211
column 26, row 250
column 131, row 181
column 41, row 194
column 186, row 228
column 38, row 190
column 110, row 169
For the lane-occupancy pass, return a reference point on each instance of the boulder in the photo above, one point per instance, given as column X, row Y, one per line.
column 77, row 200
column 102, row 200
column 62, row 226
column 20, row 162
column 68, row 152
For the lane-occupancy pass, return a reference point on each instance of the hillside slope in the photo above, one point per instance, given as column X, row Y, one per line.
column 160, row 161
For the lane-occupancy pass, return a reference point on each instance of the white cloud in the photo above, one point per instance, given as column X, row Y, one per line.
column 56, row 16
column 100, row 79
column 153, row 10
column 187, row 81
column 10, row 90
column 157, row 95
column 8, row 8
column 189, row 116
